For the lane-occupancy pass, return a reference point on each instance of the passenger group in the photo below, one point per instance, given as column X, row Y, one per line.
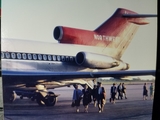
column 98, row 95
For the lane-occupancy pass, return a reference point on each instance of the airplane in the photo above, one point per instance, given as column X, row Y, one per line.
column 80, row 56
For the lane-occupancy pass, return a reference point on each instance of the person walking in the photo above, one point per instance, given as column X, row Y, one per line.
column 124, row 90
column 100, row 96
column 86, row 97
column 145, row 92
column 119, row 89
column 76, row 99
column 113, row 93
column 151, row 91
column 94, row 95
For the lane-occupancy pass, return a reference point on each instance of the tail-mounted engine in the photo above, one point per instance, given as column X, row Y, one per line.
column 78, row 36
column 93, row 60
column 72, row 35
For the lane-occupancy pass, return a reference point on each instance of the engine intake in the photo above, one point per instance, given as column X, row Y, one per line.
column 58, row 33
column 93, row 60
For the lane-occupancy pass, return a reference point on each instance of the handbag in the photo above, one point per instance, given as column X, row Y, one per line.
column 73, row 104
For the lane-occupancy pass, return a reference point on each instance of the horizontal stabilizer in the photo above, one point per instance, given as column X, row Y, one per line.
column 138, row 15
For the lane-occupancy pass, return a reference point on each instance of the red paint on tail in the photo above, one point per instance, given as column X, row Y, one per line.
column 116, row 32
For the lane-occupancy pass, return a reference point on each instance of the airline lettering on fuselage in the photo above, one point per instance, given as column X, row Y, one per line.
column 104, row 37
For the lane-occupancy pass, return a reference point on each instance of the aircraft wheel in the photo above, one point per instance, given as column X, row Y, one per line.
column 51, row 99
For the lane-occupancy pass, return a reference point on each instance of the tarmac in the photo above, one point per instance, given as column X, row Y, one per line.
column 133, row 108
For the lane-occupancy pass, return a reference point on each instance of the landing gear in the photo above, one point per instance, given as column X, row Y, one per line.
column 49, row 100
column 43, row 97
column 8, row 95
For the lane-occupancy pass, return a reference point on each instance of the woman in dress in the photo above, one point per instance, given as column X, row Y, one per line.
column 145, row 92
column 77, row 93
column 86, row 97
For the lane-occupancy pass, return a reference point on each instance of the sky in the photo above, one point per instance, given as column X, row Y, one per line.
column 36, row 20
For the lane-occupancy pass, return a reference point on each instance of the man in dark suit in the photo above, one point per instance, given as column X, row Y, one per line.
column 100, row 96
column 94, row 95
column 113, row 93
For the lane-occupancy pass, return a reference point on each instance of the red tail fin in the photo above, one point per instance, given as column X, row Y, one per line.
column 115, row 33
column 120, row 30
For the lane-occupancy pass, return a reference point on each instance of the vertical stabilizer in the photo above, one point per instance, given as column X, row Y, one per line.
column 120, row 30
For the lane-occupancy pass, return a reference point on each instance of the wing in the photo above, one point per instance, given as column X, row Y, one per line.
column 32, row 75
column 35, row 77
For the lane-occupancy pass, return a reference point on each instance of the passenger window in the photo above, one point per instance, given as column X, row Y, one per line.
column 40, row 57
column 7, row 55
column 29, row 56
column 59, row 58
column 13, row 55
column 19, row 55
column 44, row 57
column 34, row 56
column 24, row 56
column 49, row 57
column 63, row 58
column 54, row 57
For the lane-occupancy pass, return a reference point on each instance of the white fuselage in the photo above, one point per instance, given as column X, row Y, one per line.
column 20, row 56
column 61, row 55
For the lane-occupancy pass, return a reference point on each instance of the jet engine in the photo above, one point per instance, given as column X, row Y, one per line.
column 72, row 35
column 93, row 60
column 77, row 36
